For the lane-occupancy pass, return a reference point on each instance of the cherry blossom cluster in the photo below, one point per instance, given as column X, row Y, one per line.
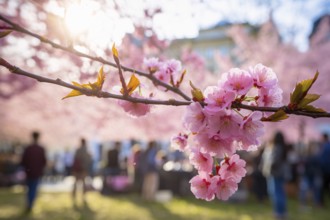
column 169, row 71
column 135, row 109
column 216, row 131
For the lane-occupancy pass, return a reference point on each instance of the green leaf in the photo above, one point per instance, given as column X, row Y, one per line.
column 301, row 90
column 307, row 83
column 309, row 98
column 296, row 94
column 311, row 108
column 4, row 33
column 277, row 116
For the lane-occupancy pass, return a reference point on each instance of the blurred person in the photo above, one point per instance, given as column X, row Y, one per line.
column 134, row 168
column 150, row 171
column 112, row 167
column 113, row 164
column 33, row 161
column 259, row 184
column 325, row 166
column 311, row 176
column 274, row 169
column 80, row 168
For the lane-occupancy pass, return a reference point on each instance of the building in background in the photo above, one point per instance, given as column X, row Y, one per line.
column 321, row 31
column 209, row 42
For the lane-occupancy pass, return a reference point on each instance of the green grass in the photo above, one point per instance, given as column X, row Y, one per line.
column 53, row 206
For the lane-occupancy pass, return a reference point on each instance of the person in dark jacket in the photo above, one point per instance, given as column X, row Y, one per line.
column 33, row 162
column 113, row 164
column 274, row 167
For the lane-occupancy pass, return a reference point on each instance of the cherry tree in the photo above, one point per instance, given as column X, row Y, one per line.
column 219, row 119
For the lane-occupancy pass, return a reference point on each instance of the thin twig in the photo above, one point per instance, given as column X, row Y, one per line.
column 71, row 50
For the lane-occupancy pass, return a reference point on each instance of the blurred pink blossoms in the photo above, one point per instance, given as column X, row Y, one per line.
column 168, row 71
column 217, row 132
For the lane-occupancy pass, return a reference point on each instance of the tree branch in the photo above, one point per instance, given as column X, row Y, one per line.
column 285, row 108
column 173, row 102
column 89, row 92
column 71, row 50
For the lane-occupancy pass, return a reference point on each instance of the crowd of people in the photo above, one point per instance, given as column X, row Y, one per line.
column 279, row 165
column 275, row 166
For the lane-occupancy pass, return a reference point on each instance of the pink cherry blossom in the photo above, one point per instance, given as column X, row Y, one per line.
column 171, row 68
column 225, row 187
column 251, row 129
column 203, row 187
column 163, row 76
column 179, row 142
column 201, row 161
column 194, row 118
column 270, row 97
column 214, row 144
column 153, row 64
column 233, row 167
column 135, row 109
column 237, row 80
column 263, row 76
column 218, row 99
column 226, row 123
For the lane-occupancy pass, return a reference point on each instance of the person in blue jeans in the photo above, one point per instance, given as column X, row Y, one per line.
column 33, row 162
column 274, row 168
column 325, row 167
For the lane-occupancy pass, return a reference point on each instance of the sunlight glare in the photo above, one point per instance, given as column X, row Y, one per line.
column 78, row 18
column 98, row 27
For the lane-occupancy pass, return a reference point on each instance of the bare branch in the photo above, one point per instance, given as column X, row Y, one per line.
column 71, row 50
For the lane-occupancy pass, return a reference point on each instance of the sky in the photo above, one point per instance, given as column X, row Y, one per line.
column 294, row 18
column 184, row 18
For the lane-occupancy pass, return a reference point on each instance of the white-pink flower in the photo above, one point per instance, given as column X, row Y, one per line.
column 225, row 187
column 263, row 76
column 214, row 144
column 226, row 123
column 233, row 167
column 218, row 99
column 237, row 80
column 153, row 64
column 163, row 76
column 179, row 141
column 201, row 161
column 171, row 68
column 135, row 109
column 270, row 97
column 251, row 129
column 194, row 118
column 203, row 187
